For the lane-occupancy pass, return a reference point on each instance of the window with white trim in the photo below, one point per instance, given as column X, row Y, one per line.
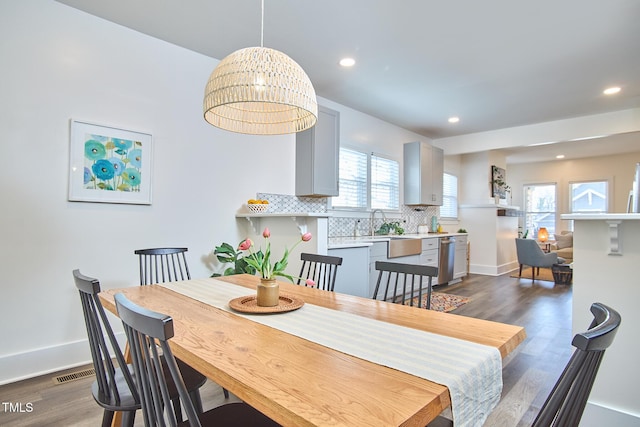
column 589, row 197
column 385, row 183
column 539, row 208
column 367, row 181
column 449, row 208
column 352, row 180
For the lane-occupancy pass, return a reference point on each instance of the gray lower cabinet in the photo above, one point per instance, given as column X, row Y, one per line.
column 317, row 156
column 349, row 277
column 430, row 248
column 377, row 252
column 460, row 260
column 356, row 260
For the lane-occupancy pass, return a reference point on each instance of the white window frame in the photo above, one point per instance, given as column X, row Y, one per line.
column 528, row 212
column 587, row 181
column 357, row 180
column 451, row 196
column 367, row 206
column 392, row 186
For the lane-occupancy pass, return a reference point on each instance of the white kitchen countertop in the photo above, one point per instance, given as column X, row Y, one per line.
column 363, row 241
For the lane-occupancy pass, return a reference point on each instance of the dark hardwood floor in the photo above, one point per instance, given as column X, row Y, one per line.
column 528, row 375
column 544, row 310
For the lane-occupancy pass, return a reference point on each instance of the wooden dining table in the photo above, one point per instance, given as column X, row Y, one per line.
column 298, row 382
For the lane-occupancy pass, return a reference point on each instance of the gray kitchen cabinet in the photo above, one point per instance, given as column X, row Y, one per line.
column 349, row 277
column 377, row 252
column 460, row 260
column 423, row 174
column 429, row 254
column 317, row 156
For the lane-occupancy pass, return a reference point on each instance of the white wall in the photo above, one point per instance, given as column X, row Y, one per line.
column 618, row 170
column 611, row 280
column 59, row 63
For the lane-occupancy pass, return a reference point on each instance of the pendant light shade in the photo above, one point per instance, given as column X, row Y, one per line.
column 260, row 91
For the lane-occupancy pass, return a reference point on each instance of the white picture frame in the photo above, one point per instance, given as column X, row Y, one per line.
column 109, row 164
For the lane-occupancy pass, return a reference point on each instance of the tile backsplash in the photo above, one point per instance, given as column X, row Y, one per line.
column 410, row 216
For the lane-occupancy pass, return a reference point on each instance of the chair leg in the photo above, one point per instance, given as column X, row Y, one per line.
column 520, row 272
column 128, row 418
column 107, row 418
column 226, row 393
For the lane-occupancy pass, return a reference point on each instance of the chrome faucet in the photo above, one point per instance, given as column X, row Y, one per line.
column 373, row 214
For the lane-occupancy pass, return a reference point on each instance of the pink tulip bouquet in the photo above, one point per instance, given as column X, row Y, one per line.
column 261, row 261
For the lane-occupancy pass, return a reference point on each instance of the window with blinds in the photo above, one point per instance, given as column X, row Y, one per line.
column 352, row 180
column 449, row 208
column 385, row 183
column 539, row 208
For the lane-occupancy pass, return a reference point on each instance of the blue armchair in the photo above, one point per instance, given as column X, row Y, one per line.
column 529, row 253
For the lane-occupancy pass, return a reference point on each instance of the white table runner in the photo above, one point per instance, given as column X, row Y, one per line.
column 472, row 372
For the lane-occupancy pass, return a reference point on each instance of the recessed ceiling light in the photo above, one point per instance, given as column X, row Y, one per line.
column 560, row 156
column 454, row 119
column 347, row 62
column 611, row 90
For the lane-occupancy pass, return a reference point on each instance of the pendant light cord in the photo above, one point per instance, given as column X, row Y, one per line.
column 262, row 27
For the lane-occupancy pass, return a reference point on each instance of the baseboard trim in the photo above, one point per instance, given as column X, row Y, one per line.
column 596, row 415
column 42, row 361
column 493, row 270
column 485, row 270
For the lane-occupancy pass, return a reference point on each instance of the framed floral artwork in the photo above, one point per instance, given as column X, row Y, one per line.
column 499, row 185
column 109, row 165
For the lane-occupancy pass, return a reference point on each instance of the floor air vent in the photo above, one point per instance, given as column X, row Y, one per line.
column 74, row 376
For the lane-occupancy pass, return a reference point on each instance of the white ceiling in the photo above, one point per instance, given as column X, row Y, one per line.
column 493, row 63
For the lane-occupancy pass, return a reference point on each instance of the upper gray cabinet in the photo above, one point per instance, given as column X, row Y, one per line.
column 423, row 174
column 317, row 153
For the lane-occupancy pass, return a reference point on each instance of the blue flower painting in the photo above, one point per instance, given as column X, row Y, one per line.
column 112, row 164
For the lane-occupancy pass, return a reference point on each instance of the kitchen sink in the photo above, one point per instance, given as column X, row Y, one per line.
column 404, row 246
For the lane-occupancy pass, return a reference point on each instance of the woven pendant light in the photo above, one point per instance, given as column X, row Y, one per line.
column 260, row 91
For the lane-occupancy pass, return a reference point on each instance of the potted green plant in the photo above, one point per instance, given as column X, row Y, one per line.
column 390, row 228
column 227, row 254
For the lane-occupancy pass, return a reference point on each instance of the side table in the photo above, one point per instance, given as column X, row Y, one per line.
column 545, row 246
column 562, row 273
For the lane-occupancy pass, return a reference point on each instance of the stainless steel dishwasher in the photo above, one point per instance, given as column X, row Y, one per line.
column 445, row 264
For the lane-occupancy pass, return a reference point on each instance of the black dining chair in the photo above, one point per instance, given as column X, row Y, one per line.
column 399, row 282
column 160, row 265
column 566, row 402
column 145, row 329
column 321, row 269
column 115, row 388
